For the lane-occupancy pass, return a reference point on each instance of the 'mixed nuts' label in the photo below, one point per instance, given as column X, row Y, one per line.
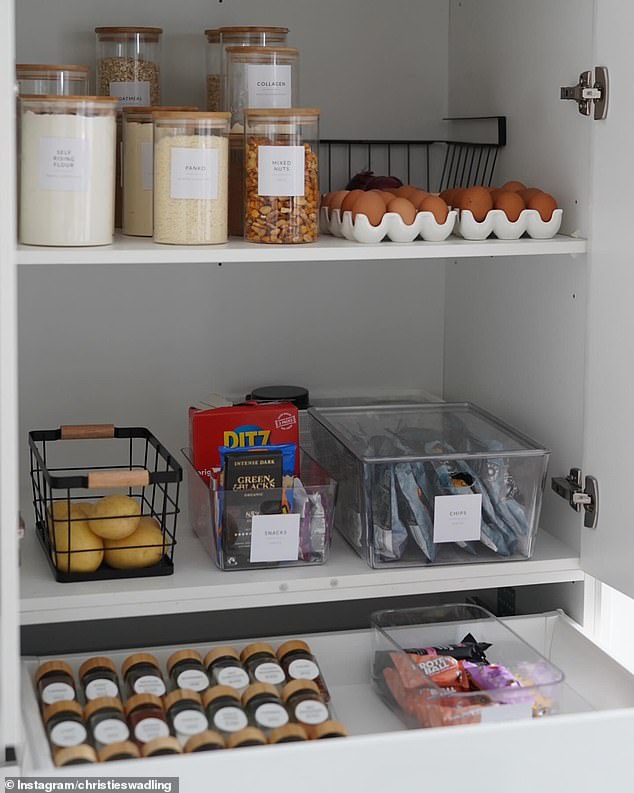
column 281, row 170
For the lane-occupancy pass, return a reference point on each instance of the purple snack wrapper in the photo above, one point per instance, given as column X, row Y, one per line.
column 496, row 678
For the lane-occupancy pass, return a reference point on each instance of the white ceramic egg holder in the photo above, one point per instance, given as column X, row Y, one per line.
column 391, row 226
column 497, row 223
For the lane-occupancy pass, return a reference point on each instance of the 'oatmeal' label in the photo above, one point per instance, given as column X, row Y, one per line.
column 131, row 93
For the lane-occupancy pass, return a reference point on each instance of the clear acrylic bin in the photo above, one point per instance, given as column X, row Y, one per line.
column 399, row 675
column 439, row 483
column 239, row 535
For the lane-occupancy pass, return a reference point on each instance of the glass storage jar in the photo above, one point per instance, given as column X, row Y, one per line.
column 98, row 678
column 299, row 663
column 191, row 166
column 260, row 77
column 214, row 59
column 236, row 184
column 75, row 755
column 142, row 675
column 263, row 707
column 125, row 750
column 67, row 170
column 55, row 682
column 304, row 703
column 224, row 710
column 146, row 718
column 105, row 719
column 128, row 64
column 186, row 670
column 282, row 176
column 205, row 742
column 250, row 736
column 52, row 79
column 289, row 733
column 161, row 746
column 64, row 724
column 185, row 714
column 225, row 668
column 262, row 665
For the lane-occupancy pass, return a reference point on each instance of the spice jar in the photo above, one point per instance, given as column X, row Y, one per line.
column 260, row 77
column 186, row 670
column 146, row 718
column 263, row 706
column 51, row 79
column 246, row 36
column 225, row 668
column 282, row 177
column 262, row 664
column 289, row 733
column 214, row 59
column 328, row 729
column 224, row 710
column 106, row 721
column 64, row 724
column 161, row 746
column 190, row 177
column 55, row 683
column 299, row 663
column 98, row 678
column 205, row 742
column 128, row 64
column 125, row 750
column 304, row 702
column 185, row 713
column 67, row 170
column 142, row 675
column 250, row 736
column 75, row 755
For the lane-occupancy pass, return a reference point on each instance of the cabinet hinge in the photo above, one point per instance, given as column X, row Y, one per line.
column 580, row 494
column 590, row 93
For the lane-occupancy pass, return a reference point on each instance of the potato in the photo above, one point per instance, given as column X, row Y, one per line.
column 115, row 517
column 59, row 516
column 122, row 555
column 81, row 539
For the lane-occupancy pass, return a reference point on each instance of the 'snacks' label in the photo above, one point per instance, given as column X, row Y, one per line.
column 194, row 173
column 269, row 85
column 64, row 164
column 131, row 93
column 281, row 170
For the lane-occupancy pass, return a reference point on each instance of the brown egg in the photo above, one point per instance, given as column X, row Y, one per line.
column 513, row 187
column 496, row 192
column 510, row 203
column 385, row 196
column 349, row 200
column 529, row 193
column 436, row 206
column 448, row 195
column 417, row 196
column 406, row 191
column 404, row 208
column 371, row 205
column 545, row 204
column 336, row 199
column 325, row 199
column 478, row 201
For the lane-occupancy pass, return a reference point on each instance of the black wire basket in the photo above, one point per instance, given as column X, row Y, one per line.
column 130, row 531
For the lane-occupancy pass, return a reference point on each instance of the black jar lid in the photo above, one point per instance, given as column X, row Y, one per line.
column 297, row 395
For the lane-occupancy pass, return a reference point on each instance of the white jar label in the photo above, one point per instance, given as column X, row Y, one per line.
column 269, row 85
column 194, row 173
column 303, row 669
column 64, row 165
column 147, row 166
column 458, row 518
column 57, row 692
column 151, row 728
column 232, row 676
column 149, row 684
column 111, row 731
column 131, row 93
column 311, row 712
column 281, row 170
column 271, row 715
column 270, row 673
column 190, row 722
column 193, row 679
column 68, row 733
column 101, row 688
column 230, row 719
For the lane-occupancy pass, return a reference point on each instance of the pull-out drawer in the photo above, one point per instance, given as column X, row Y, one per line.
column 588, row 745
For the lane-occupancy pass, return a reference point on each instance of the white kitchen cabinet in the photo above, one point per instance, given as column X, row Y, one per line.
column 134, row 332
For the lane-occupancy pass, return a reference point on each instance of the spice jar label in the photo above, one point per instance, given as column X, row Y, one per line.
column 57, row 692
column 303, row 669
column 232, row 676
column 281, row 170
column 270, row 673
column 271, row 715
column 311, row 712
column 63, row 164
column 101, row 688
column 147, row 165
column 149, row 684
column 111, row 731
column 193, row 679
column 150, row 728
column 230, row 719
column 269, row 85
column 190, row 722
column 68, row 733
column 131, row 93
column 194, row 173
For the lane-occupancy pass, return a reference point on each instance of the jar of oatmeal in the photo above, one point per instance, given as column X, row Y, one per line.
column 282, row 175
column 51, row 79
column 128, row 64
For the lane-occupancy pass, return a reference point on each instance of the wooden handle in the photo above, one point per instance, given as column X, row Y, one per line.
column 86, row 431
column 106, row 479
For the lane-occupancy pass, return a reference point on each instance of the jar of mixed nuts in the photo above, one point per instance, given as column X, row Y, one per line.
column 264, row 708
column 128, row 64
column 146, row 718
column 186, row 670
column 262, row 665
column 225, row 668
column 185, row 714
column 214, row 60
column 205, row 742
column 224, row 710
column 282, row 176
column 55, row 682
column 106, row 721
column 98, row 677
column 64, row 724
column 304, row 703
column 142, row 675
column 52, row 79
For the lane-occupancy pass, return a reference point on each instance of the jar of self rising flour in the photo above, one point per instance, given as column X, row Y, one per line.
column 67, row 170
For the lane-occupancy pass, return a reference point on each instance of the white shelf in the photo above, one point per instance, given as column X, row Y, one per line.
column 137, row 250
column 198, row 586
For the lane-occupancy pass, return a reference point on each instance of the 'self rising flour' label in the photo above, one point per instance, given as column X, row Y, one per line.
column 269, row 85
column 194, row 173
column 281, row 170
column 64, row 164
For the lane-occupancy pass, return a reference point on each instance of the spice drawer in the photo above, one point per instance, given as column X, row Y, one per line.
column 596, row 686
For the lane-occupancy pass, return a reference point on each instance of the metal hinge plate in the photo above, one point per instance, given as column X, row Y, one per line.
column 591, row 94
column 580, row 494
